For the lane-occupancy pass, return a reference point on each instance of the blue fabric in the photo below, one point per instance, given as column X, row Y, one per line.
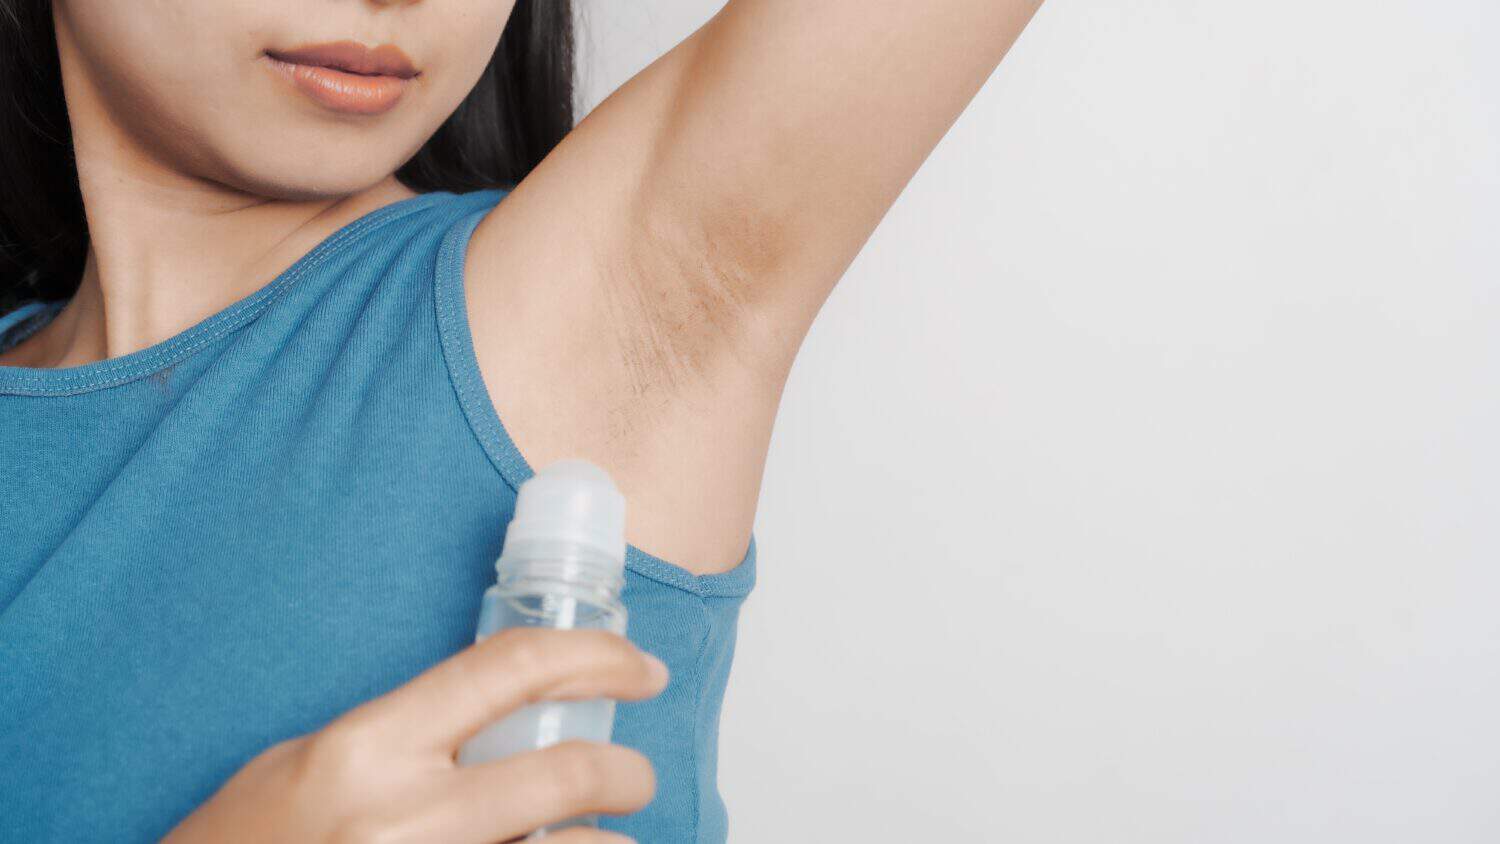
column 229, row 538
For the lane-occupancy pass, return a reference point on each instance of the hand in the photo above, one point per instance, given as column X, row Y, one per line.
column 385, row 770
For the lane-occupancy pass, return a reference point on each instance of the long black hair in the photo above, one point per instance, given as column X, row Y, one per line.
column 517, row 112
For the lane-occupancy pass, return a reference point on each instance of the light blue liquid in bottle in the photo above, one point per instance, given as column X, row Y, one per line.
column 562, row 566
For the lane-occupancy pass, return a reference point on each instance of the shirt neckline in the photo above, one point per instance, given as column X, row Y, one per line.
column 97, row 375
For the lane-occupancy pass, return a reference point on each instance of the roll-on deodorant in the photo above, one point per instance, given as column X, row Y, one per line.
column 562, row 566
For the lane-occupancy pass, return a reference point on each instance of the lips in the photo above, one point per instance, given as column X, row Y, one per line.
column 347, row 76
column 351, row 57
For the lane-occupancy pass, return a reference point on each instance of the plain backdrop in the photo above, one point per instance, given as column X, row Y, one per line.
column 1140, row 480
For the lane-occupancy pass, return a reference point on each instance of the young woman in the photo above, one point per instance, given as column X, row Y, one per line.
column 275, row 272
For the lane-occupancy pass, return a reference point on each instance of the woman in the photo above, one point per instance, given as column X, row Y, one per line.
column 275, row 274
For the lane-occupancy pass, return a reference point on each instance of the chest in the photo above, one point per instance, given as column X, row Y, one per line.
column 169, row 612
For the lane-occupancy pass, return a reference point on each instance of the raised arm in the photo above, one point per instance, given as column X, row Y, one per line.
column 673, row 250
column 794, row 125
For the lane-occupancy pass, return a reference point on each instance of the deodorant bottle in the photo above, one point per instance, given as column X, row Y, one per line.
column 562, row 566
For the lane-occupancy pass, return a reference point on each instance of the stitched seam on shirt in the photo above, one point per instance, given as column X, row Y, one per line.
column 247, row 308
column 234, row 319
column 24, row 327
column 462, row 364
column 488, row 439
column 698, row 716
column 678, row 577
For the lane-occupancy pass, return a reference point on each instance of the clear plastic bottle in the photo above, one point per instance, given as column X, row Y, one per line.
column 562, row 566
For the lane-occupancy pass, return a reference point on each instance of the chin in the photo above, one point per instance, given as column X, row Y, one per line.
column 311, row 177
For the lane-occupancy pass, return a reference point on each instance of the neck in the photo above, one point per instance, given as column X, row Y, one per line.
column 169, row 248
column 163, row 258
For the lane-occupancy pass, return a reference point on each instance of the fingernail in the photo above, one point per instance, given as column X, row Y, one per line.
column 659, row 671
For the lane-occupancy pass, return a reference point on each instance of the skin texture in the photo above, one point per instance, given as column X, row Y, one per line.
column 670, row 255
column 204, row 174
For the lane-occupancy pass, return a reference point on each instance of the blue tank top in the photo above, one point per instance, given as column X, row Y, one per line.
column 232, row 536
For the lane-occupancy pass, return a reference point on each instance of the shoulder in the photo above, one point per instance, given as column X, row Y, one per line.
column 396, row 256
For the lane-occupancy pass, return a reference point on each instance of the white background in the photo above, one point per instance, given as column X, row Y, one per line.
column 1140, row 481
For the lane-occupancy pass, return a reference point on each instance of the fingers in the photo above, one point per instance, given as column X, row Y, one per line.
column 501, row 800
column 583, row 835
column 453, row 700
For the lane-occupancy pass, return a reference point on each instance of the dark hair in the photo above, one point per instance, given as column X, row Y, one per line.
column 517, row 112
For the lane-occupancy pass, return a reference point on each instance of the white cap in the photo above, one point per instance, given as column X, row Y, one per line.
column 570, row 507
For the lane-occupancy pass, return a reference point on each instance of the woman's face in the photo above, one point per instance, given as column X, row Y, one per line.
column 189, row 83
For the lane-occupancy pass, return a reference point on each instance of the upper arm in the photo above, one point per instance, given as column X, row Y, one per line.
column 639, row 297
column 795, row 126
